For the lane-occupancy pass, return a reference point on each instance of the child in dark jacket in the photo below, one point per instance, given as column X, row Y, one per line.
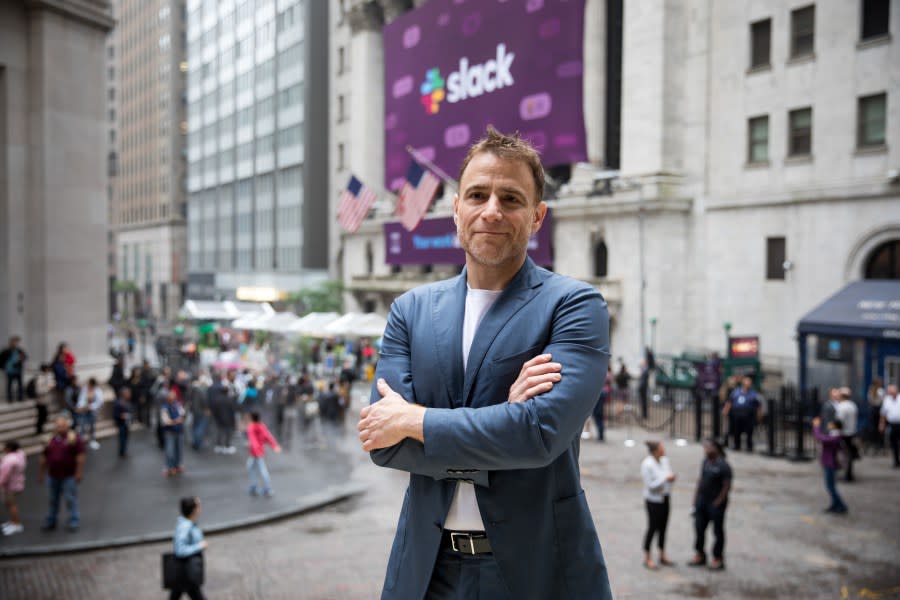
column 830, row 459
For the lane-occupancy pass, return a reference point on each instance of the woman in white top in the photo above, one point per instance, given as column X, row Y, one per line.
column 658, row 478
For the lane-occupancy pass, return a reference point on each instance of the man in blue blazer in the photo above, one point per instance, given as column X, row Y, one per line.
column 483, row 385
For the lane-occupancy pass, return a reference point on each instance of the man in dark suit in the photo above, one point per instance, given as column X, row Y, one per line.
column 482, row 387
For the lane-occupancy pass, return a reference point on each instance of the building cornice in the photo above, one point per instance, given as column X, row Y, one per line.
column 822, row 195
column 96, row 13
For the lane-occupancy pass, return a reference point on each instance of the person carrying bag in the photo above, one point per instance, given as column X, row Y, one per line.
column 183, row 569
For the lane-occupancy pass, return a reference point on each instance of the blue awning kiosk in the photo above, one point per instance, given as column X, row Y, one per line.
column 860, row 326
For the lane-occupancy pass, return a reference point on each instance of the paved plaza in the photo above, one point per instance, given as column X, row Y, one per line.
column 780, row 544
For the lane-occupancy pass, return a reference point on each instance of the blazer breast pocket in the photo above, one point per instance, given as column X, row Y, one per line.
column 500, row 367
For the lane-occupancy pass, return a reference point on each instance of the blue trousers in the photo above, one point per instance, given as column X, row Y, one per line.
column 123, row 438
column 466, row 577
column 173, row 449
column 86, row 424
column 66, row 487
column 837, row 503
column 259, row 475
column 198, row 431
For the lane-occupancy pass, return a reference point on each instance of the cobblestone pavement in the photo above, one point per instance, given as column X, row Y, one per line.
column 780, row 544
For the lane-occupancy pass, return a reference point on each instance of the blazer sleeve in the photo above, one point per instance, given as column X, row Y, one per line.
column 394, row 367
column 466, row 441
column 532, row 434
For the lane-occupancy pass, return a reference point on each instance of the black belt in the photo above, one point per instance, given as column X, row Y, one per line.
column 466, row 542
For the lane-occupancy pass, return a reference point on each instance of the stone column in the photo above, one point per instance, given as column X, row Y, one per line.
column 595, row 79
column 65, row 284
column 366, row 151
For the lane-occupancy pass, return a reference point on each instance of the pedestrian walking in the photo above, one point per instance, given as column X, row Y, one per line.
column 258, row 436
column 658, row 479
column 745, row 407
column 199, row 407
column 189, row 546
column 622, row 379
column 12, row 483
column 599, row 415
column 148, row 402
column 63, row 363
column 62, row 463
column 117, row 378
column 171, row 419
column 847, row 414
column 123, row 413
column 12, row 359
column 290, row 412
column 828, row 412
column 710, row 503
column 90, row 401
column 222, row 399
column 890, row 417
column 329, row 413
column 159, row 394
column 70, row 400
column 874, row 398
column 43, row 388
column 830, row 460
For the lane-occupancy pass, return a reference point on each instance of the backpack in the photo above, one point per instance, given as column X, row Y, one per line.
column 31, row 388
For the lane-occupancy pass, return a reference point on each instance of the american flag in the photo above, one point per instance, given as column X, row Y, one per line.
column 356, row 200
column 415, row 195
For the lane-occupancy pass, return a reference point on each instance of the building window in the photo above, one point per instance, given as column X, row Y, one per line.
column 758, row 135
column 340, row 109
column 601, row 259
column 342, row 60
column 760, row 43
column 872, row 114
column 803, row 30
column 884, row 262
column 876, row 16
column 340, row 157
column 800, row 133
column 775, row 257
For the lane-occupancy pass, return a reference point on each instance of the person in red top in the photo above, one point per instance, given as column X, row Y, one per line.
column 258, row 436
column 63, row 462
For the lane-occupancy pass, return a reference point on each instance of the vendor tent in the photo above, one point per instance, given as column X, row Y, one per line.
column 207, row 310
column 358, row 325
column 313, row 324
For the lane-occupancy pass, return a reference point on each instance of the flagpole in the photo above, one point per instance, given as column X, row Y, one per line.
column 433, row 167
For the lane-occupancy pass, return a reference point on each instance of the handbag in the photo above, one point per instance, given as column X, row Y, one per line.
column 182, row 570
column 170, row 570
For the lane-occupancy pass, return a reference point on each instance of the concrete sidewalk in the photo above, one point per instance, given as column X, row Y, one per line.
column 780, row 544
column 128, row 501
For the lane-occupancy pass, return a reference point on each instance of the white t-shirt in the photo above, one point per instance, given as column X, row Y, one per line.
column 464, row 514
column 654, row 474
column 890, row 409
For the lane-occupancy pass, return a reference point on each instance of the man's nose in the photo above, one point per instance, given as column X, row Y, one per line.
column 492, row 210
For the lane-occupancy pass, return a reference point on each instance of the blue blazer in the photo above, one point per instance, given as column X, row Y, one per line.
column 522, row 457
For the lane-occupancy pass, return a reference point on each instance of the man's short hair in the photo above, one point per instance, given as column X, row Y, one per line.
column 509, row 147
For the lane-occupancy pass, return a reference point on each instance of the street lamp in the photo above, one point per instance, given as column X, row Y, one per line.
column 727, row 327
column 653, row 334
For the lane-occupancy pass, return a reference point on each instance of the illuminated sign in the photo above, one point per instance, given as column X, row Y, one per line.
column 743, row 347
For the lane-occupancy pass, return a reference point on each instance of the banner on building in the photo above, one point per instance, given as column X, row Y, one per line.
column 452, row 68
column 434, row 242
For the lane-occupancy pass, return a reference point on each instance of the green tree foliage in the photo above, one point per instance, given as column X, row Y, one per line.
column 327, row 297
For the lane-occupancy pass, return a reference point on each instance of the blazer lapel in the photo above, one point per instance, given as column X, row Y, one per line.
column 518, row 293
column 448, row 309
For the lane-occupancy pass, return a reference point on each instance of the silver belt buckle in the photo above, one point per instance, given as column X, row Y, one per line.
column 453, row 545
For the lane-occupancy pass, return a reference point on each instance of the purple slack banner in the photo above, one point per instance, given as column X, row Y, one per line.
column 434, row 242
column 453, row 67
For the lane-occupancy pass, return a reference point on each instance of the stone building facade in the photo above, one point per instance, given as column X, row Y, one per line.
column 53, row 202
column 758, row 169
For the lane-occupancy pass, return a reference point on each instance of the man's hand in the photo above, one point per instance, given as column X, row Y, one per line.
column 536, row 377
column 390, row 420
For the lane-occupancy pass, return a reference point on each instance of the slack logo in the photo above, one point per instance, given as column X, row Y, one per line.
column 469, row 81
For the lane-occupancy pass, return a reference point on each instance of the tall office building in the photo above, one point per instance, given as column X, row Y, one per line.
column 151, row 127
column 257, row 147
